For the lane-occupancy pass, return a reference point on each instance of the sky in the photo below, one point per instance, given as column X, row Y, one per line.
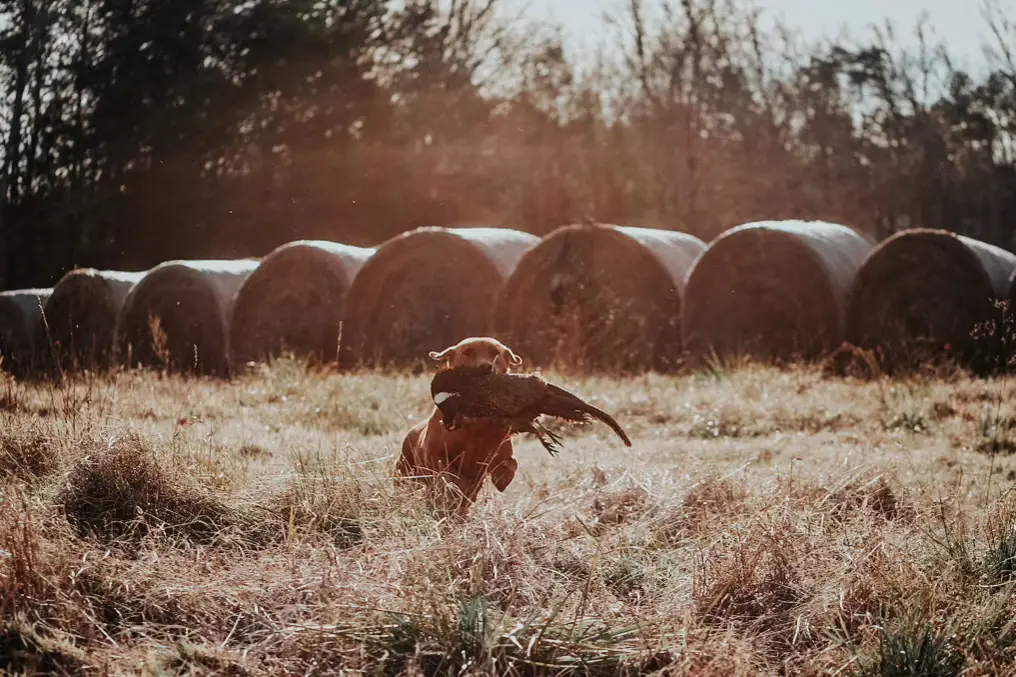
column 958, row 22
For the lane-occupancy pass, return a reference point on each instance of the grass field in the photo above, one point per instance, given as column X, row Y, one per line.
column 766, row 522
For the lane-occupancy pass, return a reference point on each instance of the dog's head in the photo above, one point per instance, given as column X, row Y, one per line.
column 476, row 351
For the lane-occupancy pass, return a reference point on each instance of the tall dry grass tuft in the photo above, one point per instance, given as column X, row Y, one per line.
column 755, row 581
column 874, row 495
column 321, row 506
column 26, row 455
column 45, row 621
column 1000, row 553
column 122, row 494
column 26, row 648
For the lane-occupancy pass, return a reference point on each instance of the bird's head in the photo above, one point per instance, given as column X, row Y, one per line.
column 447, row 404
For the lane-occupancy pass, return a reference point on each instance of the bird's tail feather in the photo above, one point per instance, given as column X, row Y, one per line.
column 564, row 404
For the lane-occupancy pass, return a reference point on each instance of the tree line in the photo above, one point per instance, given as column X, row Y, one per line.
column 136, row 131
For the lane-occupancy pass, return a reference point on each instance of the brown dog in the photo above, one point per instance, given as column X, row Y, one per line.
column 457, row 461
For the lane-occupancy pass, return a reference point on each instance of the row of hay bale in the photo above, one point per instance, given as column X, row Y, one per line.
column 592, row 296
column 610, row 297
column 92, row 319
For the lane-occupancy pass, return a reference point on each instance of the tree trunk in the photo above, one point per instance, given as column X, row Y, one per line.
column 11, row 176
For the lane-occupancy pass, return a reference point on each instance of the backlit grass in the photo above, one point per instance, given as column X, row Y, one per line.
column 765, row 522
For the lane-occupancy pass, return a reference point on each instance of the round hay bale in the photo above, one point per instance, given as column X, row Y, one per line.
column 1004, row 330
column 20, row 314
column 80, row 316
column 772, row 290
column 293, row 301
column 177, row 317
column 598, row 297
column 424, row 290
column 922, row 293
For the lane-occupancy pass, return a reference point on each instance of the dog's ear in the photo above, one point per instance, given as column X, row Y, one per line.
column 443, row 355
column 512, row 357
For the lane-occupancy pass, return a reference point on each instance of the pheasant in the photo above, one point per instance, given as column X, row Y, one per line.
column 478, row 391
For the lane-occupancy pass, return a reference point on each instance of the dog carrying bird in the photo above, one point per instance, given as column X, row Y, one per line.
column 478, row 391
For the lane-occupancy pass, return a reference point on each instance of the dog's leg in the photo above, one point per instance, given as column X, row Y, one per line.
column 503, row 473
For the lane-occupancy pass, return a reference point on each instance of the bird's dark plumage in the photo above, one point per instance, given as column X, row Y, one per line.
column 518, row 399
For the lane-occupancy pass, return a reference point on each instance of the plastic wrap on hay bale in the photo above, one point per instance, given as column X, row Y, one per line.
column 772, row 290
column 598, row 297
column 424, row 290
column 20, row 314
column 293, row 302
column 178, row 316
column 80, row 318
column 922, row 294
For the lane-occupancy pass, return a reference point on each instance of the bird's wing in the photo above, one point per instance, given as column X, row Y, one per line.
column 518, row 394
column 472, row 387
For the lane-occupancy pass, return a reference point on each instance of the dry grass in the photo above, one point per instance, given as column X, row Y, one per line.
column 765, row 522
